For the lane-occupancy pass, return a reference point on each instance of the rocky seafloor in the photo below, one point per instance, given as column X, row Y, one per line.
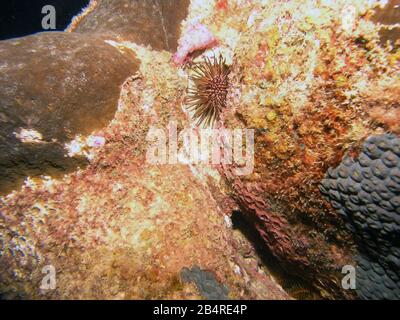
column 318, row 82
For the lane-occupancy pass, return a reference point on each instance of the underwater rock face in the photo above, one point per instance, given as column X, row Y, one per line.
column 145, row 22
column 366, row 192
column 124, row 229
column 121, row 228
column 54, row 86
column 308, row 102
column 299, row 252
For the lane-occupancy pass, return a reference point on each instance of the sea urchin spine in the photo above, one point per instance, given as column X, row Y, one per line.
column 208, row 95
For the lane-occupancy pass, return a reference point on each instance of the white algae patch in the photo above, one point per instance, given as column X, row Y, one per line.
column 29, row 136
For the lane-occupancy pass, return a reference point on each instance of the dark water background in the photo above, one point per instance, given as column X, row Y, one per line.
column 22, row 17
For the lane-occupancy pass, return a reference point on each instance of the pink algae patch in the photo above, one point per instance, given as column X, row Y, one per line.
column 197, row 37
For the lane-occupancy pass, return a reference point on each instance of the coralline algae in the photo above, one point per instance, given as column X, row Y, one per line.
column 197, row 37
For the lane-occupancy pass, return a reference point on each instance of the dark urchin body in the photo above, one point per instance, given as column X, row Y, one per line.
column 208, row 96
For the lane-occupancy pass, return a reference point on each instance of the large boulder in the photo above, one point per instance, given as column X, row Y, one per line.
column 155, row 23
column 54, row 86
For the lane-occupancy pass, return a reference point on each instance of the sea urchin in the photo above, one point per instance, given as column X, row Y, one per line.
column 207, row 97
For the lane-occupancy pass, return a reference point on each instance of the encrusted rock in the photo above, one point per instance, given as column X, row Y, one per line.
column 123, row 228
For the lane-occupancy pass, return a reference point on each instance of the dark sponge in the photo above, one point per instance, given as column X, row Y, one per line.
column 366, row 192
column 206, row 283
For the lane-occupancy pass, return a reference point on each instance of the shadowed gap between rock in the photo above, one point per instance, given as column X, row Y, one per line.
column 294, row 286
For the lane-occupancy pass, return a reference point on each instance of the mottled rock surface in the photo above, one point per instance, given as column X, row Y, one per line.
column 313, row 84
column 123, row 228
column 145, row 22
column 308, row 100
column 59, row 85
